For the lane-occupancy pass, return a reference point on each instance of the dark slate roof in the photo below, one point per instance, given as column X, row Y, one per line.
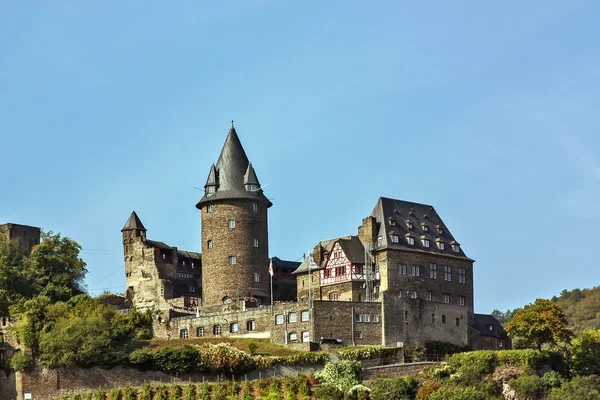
column 257, row 292
column 250, row 176
column 284, row 289
column 327, row 245
column 401, row 212
column 482, row 323
column 182, row 287
column 212, row 176
column 278, row 262
column 189, row 254
column 133, row 223
column 230, row 172
column 160, row 245
column 353, row 249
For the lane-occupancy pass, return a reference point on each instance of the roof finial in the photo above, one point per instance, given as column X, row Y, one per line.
column 232, row 123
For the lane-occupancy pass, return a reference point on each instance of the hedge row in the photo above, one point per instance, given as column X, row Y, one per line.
column 484, row 361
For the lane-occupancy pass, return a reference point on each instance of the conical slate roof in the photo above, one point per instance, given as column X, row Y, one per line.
column 250, row 176
column 133, row 223
column 231, row 172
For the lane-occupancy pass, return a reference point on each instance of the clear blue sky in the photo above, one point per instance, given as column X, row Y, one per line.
column 483, row 109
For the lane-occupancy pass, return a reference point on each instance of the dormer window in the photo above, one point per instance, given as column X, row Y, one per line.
column 251, row 187
column 379, row 241
column 456, row 247
column 441, row 245
column 395, row 239
column 410, row 240
column 211, row 189
column 425, row 228
column 425, row 242
column 409, row 225
column 439, row 230
column 392, row 222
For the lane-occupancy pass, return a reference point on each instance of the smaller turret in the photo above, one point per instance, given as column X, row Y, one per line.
column 133, row 228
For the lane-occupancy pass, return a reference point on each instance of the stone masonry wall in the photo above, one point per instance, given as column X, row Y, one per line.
column 390, row 279
column 221, row 279
column 23, row 237
column 409, row 322
column 337, row 320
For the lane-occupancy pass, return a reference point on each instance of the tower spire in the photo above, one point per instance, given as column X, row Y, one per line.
column 133, row 224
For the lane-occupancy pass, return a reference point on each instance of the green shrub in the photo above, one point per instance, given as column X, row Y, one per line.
column 394, row 388
column 426, row 389
column 141, row 358
column 21, row 362
column 366, row 353
column 552, row 379
column 129, row 393
column 435, row 348
column 252, row 348
column 146, row 392
column 114, row 394
column 87, row 396
column 204, row 391
column 358, row 392
column 177, row 360
column 459, row 393
column 480, row 362
column 189, row 392
column 341, row 374
column 175, row 392
column 328, row 392
column 527, row 386
column 100, row 395
column 219, row 391
column 247, row 391
column 161, row 393
column 223, row 357
column 580, row 388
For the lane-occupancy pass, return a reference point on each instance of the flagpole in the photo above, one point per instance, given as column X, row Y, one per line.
column 271, row 273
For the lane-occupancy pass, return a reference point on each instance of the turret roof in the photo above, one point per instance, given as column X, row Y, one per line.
column 133, row 223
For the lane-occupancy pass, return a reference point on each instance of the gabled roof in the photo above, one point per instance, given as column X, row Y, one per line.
column 133, row 223
column 189, row 254
column 250, row 176
column 420, row 215
column 482, row 323
column 212, row 176
column 353, row 249
column 285, row 264
column 327, row 245
column 230, row 174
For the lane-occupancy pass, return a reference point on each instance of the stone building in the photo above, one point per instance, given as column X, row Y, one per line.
column 402, row 280
column 22, row 237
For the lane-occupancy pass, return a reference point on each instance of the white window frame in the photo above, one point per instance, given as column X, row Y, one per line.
column 410, row 240
column 255, row 242
column 231, row 224
column 292, row 318
column 413, row 295
column 232, row 260
column 448, row 273
column 251, row 325
column 374, row 317
column 256, row 277
column 426, row 242
column 209, row 244
column 429, row 295
column 217, row 330
column 209, row 208
column 415, row 270
column 461, row 300
column 254, row 207
column 305, row 336
column 200, row 331
column 304, row 315
column 401, row 269
column 293, row 337
column 446, row 298
column 395, row 239
column 357, row 318
column 234, row 327
column 442, row 245
column 366, row 318
column 279, row 319
column 462, row 275
column 432, row 271
column 184, row 333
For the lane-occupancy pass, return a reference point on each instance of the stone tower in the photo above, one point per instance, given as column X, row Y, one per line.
column 234, row 229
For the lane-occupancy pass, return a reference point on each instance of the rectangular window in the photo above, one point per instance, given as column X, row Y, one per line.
column 409, row 225
column 374, row 317
column 446, row 298
column 429, row 295
column 357, row 335
column 447, row 273
column 335, row 296
column 216, row 330
column 439, row 230
column 392, row 222
column 366, row 318
column 209, row 208
column 293, row 337
column 255, row 242
column 461, row 300
column 292, row 317
column 256, row 277
column 279, row 319
column 192, row 288
column 411, row 240
column 462, row 275
column 233, row 328
column 457, row 321
column 200, row 331
column 183, row 333
column 416, row 270
column 443, row 319
column 405, row 314
column 231, row 223
column 232, row 260
column 304, row 316
column 209, row 244
column 379, row 241
column 305, row 336
column 442, row 245
column 425, row 228
column 254, row 207
column 401, row 269
column 456, row 248
column 432, row 318
column 413, row 295
column 432, row 271
column 395, row 239
column 356, row 317
column 425, row 242
column 251, row 325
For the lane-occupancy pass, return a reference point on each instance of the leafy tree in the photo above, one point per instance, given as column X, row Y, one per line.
column 585, row 353
column 580, row 388
column 503, row 317
column 539, row 323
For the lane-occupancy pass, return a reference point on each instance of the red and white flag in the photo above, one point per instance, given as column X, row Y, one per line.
column 271, row 267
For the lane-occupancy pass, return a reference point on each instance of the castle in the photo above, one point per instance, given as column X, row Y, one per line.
column 402, row 280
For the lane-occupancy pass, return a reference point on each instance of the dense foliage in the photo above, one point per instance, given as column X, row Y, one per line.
column 539, row 323
column 53, row 270
column 80, row 331
column 342, row 374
